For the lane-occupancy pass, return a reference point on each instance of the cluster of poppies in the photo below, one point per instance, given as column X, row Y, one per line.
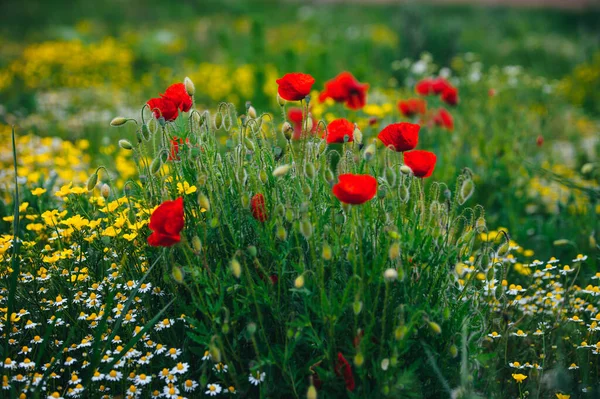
column 418, row 106
column 169, row 104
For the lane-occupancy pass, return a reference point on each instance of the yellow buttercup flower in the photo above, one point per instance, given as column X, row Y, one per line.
column 519, row 378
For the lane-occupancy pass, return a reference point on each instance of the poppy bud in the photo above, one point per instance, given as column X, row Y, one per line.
column 405, row 169
column 279, row 210
column 306, row 190
column 280, row 233
column 225, row 328
column 329, row 177
column 214, row 222
column 281, row 170
column 306, row 228
column 280, row 100
column 145, row 132
column 357, row 307
column 215, row 353
column 251, row 112
column 197, row 244
column 245, row 201
column 394, row 251
column 322, row 147
column 587, row 168
column 390, row 176
column 390, row 275
column 382, row 192
column 105, row 191
column 309, row 170
column 262, row 175
column 118, row 121
column 453, row 351
column 435, row 328
column 326, row 251
column 289, row 215
column 400, row 332
column 249, row 144
column 592, row 240
column 202, row 180
column 480, row 223
column 385, row 363
column 287, row 130
column 252, row 251
column 359, row 359
column 236, row 268
column 309, row 123
column 312, row 392
column 125, row 144
column 404, row 194
column 203, row 201
column 155, row 165
column 357, row 135
column 466, row 190
column 177, row 274
column 92, row 181
column 369, row 152
column 189, row 86
column 299, row 281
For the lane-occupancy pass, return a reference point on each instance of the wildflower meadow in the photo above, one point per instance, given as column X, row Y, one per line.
column 296, row 200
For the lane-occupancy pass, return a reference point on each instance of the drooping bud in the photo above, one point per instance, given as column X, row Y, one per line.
column 215, row 352
column 287, row 130
column 251, row 112
column 155, row 165
column 453, row 351
column 289, row 215
column 390, row 176
column 466, row 190
column 249, row 144
column 189, row 86
column 105, row 191
column 309, row 170
column 329, row 177
column 281, row 170
column 92, row 181
column 118, row 121
column 299, row 281
column 405, row 169
column 125, row 144
column 587, row 168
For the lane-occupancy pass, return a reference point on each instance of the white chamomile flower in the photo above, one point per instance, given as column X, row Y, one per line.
column 257, row 377
column 213, row 389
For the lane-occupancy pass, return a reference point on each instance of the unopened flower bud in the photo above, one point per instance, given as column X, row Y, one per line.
column 466, row 190
column 118, row 121
column 312, row 392
column 92, row 181
column 359, row 359
column 309, row 123
column 394, row 251
column 203, row 202
column 306, row 228
column 405, row 169
column 369, row 152
column 105, row 191
column 249, row 144
column 236, row 268
column 215, row 353
column 287, row 130
column 289, row 215
column 125, row 144
column 281, row 233
column 435, row 328
column 251, row 328
column 326, row 251
column 262, row 176
column 251, row 112
column 587, row 168
column 177, row 274
column 299, row 281
column 357, row 134
column 329, row 177
column 281, row 170
column 385, row 363
column 280, row 100
column 245, row 201
column 196, row 244
column 309, row 170
column 390, row 275
column 189, row 86
column 155, row 165
column 357, row 307
column 453, row 351
column 390, row 176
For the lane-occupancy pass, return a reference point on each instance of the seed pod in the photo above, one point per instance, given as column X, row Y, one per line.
column 155, row 165
column 236, row 268
column 390, row 176
column 189, row 86
column 203, row 201
column 281, row 170
column 105, row 191
column 405, row 169
column 196, row 244
column 92, row 181
column 118, row 121
column 327, row 252
column 309, row 170
column 280, row 233
column 369, row 152
column 306, row 228
column 125, row 144
column 299, row 281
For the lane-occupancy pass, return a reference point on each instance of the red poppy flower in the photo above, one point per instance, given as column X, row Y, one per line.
column 166, row 223
column 344, row 88
column 355, row 189
column 401, row 136
column 444, row 119
column 420, row 162
column 295, row 86
column 338, row 129
column 342, row 368
column 450, row 95
column 412, row 107
column 257, row 204
column 177, row 93
column 429, row 86
column 295, row 116
column 163, row 107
